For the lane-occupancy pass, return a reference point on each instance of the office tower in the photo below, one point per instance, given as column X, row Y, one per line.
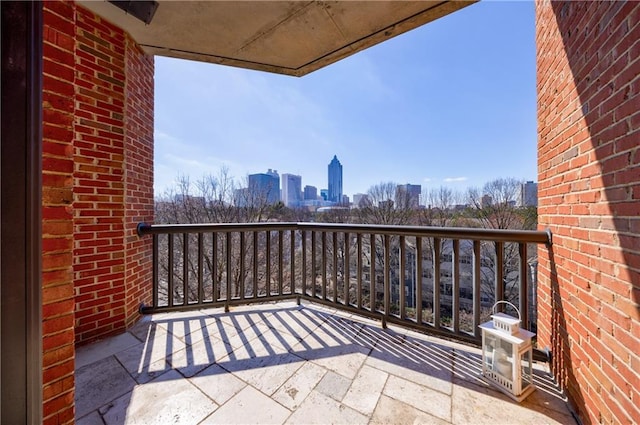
column 264, row 186
column 324, row 194
column 291, row 190
column 528, row 194
column 335, row 180
column 360, row 200
column 310, row 193
column 408, row 195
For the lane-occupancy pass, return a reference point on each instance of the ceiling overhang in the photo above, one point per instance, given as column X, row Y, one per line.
column 285, row 37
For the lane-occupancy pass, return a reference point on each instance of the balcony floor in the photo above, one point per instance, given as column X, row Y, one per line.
column 284, row 363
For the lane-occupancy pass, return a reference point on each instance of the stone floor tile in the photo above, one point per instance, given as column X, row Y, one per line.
column 293, row 322
column 320, row 409
column 423, row 363
column 422, row 398
column 102, row 349
column 394, row 412
column 92, row 418
column 217, row 383
column 365, row 390
column 334, row 385
column 292, row 393
column 488, row 406
column 99, row 383
column 142, row 363
column 168, row 399
column 197, row 357
column 266, row 373
column 249, row 406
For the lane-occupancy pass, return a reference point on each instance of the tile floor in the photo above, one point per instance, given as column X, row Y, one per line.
column 284, row 363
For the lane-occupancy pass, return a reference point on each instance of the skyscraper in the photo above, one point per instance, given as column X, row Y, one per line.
column 408, row 195
column 310, row 193
column 265, row 186
column 528, row 194
column 291, row 190
column 335, row 180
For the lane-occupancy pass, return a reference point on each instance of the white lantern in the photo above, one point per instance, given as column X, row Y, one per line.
column 507, row 355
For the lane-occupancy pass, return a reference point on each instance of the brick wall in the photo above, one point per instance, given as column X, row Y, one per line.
column 138, row 165
column 588, row 64
column 97, row 184
column 57, row 213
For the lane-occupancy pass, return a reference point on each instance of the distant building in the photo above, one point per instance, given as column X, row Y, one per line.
column 335, row 180
column 310, row 193
column 345, row 200
column 486, row 201
column 291, row 190
column 528, row 194
column 264, row 186
column 360, row 200
column 324, row 194
column 409, row 195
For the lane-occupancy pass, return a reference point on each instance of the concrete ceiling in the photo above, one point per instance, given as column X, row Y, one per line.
column 286, row 37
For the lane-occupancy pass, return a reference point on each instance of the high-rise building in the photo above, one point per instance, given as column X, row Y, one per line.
column 291, row 190
column 335, row 180
column 264, row 186
column 528, row 194
column 324, row 194
column 360, row 200
column 408, row 195
column 310, row 193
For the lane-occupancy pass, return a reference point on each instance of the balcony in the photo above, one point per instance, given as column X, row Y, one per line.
column 273, row 323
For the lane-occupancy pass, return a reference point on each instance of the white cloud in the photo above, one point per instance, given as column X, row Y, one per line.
column 455, row 179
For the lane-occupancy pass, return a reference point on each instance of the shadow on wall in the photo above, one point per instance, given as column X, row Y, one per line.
column 600, row 41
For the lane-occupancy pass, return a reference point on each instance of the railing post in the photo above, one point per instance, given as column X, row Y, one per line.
column 170, row 271
column 303, row 245
column 359, row 271
column 156, row 280
column 200, row 269
column 387, row 276
column 402, row 278
column 334, row 284
column 346, row 268
column 185, row 268
column 229, row 274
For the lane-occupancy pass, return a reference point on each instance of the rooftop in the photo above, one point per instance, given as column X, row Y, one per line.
column 289, row 363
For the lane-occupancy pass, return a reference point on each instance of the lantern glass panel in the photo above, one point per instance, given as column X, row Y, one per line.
column 526, row 364
column 489, row 346
column 503, row 358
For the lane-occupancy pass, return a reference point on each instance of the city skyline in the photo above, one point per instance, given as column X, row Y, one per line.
column 410, row 110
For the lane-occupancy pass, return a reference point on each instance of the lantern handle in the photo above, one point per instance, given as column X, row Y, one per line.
column 493, row 309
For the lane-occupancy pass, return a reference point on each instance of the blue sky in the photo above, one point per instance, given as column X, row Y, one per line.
column 451, row 103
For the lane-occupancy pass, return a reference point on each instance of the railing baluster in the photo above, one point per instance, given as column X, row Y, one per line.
column 387, row 276
column 156, row 280
column 324, row 265
column 346, row 270
column 214, row 267
column 334, row 283
column 499, row 282
column 200, row 270
column 293, row 262
column 229, row 273
column 314, row 274
column 436, row 283
column 359, row 271
column 303, row 247
column 455, row 282
column 418, row 278
column 403, row 278
column 242, row 265
column 170, row 267
column 372, row 273
column 524, row 288
column 255, row 264
column 477, row 295
column 280, row 261
column 268, row 266
column 185, row 268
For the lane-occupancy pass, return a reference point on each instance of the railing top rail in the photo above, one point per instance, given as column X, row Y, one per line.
column 499, row 235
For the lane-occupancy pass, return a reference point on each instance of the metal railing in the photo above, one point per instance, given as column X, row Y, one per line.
column 438, row 280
